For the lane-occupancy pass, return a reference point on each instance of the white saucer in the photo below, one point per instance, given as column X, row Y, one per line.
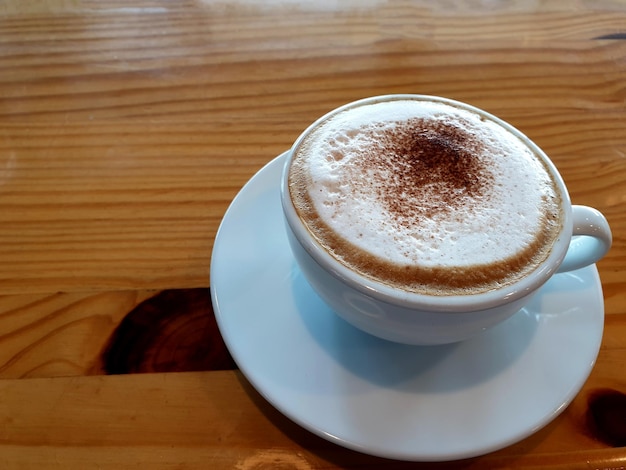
column 381, row 398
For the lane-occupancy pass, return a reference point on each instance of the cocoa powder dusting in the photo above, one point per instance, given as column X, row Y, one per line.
column 427, row 168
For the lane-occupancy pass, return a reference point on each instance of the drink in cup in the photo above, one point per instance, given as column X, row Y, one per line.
column 424, row 220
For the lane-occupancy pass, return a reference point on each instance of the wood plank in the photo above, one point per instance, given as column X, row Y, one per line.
column 74, row 334
column 121, row 149
column 217, row 420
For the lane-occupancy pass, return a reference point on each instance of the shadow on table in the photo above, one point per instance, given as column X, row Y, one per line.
column 316, row 448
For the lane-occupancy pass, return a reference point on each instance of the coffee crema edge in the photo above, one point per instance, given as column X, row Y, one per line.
column 432, row 280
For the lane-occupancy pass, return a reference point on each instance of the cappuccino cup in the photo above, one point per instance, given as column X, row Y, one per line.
column 423, row 220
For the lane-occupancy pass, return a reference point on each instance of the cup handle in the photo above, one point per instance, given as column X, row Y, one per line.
column 591, row 239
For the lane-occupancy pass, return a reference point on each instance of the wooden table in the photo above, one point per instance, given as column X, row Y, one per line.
column 126, row 128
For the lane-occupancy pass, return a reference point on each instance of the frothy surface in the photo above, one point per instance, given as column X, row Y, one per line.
column 424, row 195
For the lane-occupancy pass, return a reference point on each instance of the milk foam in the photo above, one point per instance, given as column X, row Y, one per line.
column 440, row 226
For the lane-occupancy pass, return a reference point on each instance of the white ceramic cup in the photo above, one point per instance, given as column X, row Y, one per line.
column 407, row 317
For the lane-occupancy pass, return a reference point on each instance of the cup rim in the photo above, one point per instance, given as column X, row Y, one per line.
column 413, row 300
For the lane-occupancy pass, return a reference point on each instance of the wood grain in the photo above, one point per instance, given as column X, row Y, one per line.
column 127, row 129
column 76, row 334
column 121, row 148
column 216, row 420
